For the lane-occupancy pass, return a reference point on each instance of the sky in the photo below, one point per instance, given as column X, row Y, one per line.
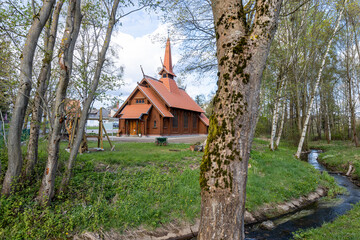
column 140, row 40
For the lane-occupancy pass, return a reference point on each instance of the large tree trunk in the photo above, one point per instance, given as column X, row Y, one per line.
column 241, row 56
column 44, row 76
column 15, row 161
column 306, row 122
column 71, row 32
column 89, row 99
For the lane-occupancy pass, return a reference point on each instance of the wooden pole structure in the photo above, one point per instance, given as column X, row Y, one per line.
column 107, row 136
column 100, row 144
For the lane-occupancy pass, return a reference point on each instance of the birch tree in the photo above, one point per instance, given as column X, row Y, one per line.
column 309, row 110
column 350, row 85
column 72, row 27
column 43, row 78
column 90, row 96
column 283, row 111
column 243, row 38
column 15, row 161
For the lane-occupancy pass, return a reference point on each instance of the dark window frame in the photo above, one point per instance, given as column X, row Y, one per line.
column 175, row 120
column 194, row 121
column 186, row 120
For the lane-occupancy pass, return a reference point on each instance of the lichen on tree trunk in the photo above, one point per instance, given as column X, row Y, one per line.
column 242, row 50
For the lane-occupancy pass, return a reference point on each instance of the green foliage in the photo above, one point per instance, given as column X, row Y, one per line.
column 263, row 127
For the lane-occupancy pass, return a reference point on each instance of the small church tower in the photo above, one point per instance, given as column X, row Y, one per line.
column 166, row 73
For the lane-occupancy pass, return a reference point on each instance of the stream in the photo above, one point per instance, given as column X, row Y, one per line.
column 315, row 215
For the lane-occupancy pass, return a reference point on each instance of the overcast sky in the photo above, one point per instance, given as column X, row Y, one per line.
column 138, row 42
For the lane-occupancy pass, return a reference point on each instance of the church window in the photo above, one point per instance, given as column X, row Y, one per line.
column 194, row 121
column 186, row 120
column 175, row 120
column 154, row 123
column 164, row 75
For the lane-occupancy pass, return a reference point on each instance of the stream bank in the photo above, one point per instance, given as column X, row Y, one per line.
column 316, row 214
column 182, row 231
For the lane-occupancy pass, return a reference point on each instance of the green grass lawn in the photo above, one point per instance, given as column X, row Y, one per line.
column 141, row 184
column 337, row 155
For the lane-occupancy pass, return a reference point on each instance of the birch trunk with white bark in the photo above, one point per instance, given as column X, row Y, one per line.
column 328, row 129
column 308, row 113
column 281, row 125
column 274, row 124
column 15, row 160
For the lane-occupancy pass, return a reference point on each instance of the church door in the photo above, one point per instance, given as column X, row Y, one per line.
column 133, row 127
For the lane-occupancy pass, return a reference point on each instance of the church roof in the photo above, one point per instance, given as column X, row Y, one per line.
column 135, row 111
column 154, row 100
column 204, row 119
column 179, row 99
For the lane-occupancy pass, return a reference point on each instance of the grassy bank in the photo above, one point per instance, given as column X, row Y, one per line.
column 345, row 227
column 143, row 185
column 337, row 156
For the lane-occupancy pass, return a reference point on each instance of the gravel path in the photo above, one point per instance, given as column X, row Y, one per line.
column 171, row 139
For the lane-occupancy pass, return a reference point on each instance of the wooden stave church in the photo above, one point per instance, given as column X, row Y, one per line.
column 160, row 107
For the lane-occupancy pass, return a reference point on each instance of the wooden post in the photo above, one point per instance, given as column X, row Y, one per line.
column 145, row 124
column 126, row 126
column 107, row 136
column 100, row 141
column 161, row 125
column 137, row 127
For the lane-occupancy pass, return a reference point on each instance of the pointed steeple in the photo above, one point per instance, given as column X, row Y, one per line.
column 167, row 74
column 167, row 58
column 167, row 64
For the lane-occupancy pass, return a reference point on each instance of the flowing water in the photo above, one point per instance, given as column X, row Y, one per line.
column 315, row 215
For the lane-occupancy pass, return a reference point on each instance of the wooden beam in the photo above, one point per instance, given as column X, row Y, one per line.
column 112, row 147
column 100, row 141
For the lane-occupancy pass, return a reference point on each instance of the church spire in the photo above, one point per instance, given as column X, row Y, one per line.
column 167, row 58
column 167, row 64
column 167, row 74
